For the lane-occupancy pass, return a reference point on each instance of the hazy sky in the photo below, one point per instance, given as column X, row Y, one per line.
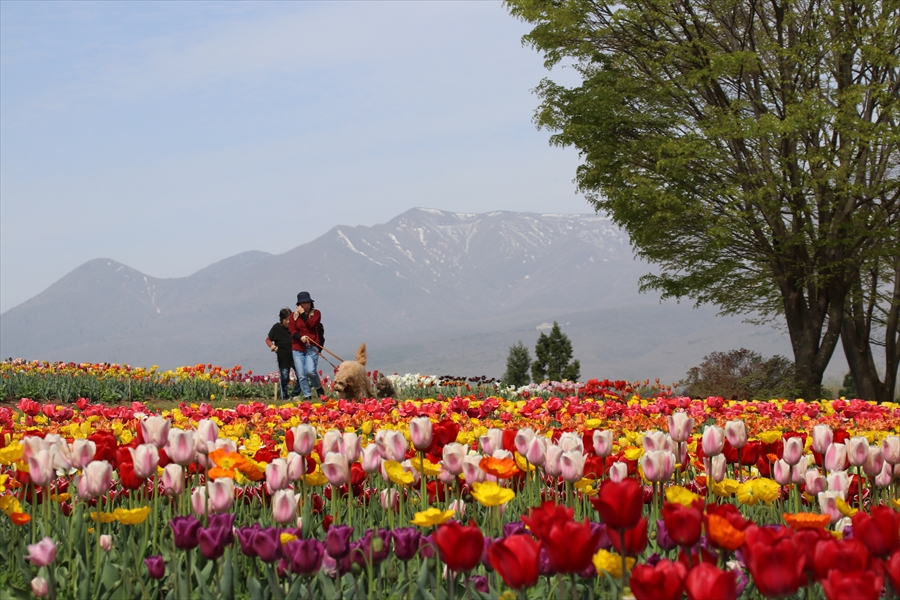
column 168, row 136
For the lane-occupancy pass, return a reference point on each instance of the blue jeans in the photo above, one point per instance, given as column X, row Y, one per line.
column 285, row 376
column 306, row 364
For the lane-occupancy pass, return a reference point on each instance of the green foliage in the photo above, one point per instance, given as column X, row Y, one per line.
column 749, row 150
column 518, row 363
column 741, row 374
column 552, row 355
column 848, row 388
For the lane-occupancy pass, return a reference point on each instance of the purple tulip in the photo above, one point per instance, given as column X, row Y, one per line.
column 603, row 542
column 589, row 572
column 246, row 536
column 223, row 521
column 663, row 540
column 406, row 542
column 514, row 528
column 480, row 584
column 305, row 556
column 485, row 559
column 184, row 532
column 337, row 541
column 267, row 544
column 375, row 545
column 544, row 563
column 427, row 549
column 156, row 566
column 213, row 541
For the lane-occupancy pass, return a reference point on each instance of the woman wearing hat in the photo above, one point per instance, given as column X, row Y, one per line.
column 305, row 343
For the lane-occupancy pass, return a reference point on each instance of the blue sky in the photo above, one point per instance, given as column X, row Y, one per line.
column 168, row 136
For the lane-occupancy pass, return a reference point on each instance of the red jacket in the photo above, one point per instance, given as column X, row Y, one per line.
column 305, row 325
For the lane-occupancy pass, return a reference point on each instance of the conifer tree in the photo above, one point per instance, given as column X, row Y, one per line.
column 517, row 365
column 552, row 355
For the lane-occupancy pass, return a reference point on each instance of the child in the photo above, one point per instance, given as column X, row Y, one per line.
column 279, row 341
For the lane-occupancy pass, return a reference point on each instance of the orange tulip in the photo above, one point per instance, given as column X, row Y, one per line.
column 801, row 520
column 501, row 468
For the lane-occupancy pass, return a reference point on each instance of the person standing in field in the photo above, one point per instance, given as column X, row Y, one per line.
column 305, row 340
column 279, row 341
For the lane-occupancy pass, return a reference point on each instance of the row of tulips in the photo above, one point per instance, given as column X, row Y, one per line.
column 483, row 497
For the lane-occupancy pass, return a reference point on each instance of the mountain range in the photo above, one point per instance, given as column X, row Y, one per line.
column 430, row 291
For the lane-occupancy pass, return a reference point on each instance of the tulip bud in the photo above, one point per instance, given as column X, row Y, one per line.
column 351, row 446
column 284, row 506
column 537, row 450
column 798, row 474
column 571, row 466
column 655, row 465
column 890, row 448
column 155, row 430
column 390, row 499
column 82, row 452
column 491, row 442
column 371, row 459
column 221, row 494
column 713, row 441
column 874, row 461
column 198, row 501
column 654, row 440
column 420, row 432
column 618, row 471
column 453, row 456
column 680, row 426
column 304, row 439
column 552, row 460
column 839, row 482
column 207, row 431
column 145, row 458
column 522, row 439
column 331, row 441
column 857, row 450
column 886, row 477
column 815, row 482
column 781, row 471
column 95, row 480
column 836, row 457
column 570, row 441
column 296, row 466
column 828, row 505
column 173, row 479
column 181, row 448
column 715, row 467
column 460, row 507
column 822, row 437
column 277, row 475
column 392, row 445
column 603, row 443
column 471, row 471
column 40, row 587
column 736, row 433
column 106, row 541
column 793, row 450
column 336, row 469
column 40, row 467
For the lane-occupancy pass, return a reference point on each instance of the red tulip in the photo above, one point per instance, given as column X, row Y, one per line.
column 892, row 566
column 620, row 503
column 708, row 581
column 635, row 539
column 845, row 555
column 730, row 513
column 880, row 531
column 807, row 540
column 859, row 585
column 517, row 560
column 460, row 546
column 775, row 561
column 665, row 581
column 541, row 520
column 684, row 524
column 571, row 546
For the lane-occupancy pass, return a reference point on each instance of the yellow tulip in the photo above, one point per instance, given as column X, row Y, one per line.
column 432, row 517
column 490, row 493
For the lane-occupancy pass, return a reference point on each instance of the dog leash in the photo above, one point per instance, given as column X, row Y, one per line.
column 329, row 352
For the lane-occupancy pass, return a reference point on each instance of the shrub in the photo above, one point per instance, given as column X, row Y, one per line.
column 741, row 374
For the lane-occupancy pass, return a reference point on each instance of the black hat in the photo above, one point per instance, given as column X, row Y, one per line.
column 303, row 297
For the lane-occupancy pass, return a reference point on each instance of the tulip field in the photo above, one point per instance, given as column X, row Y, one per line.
column 587, row 491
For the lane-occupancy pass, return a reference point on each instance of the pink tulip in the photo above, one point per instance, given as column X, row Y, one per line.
column 522, row 439
column 828, row 505
column 874, row 461
column 408, row 467
column 31, row 445
column 420, row 432
column 336, row 469
column 658, row 465
column 857, row 451
column 145, row 458
column 793, row 450
column 40, row 467
column 492, row 441
column 459, row 506
column 351, row 445
column 890, row 448
column 571, row 466
column 181, row 447
column 886, row 477
column 536, row 452
column 39, row 587
column 713, row 441
column 95, row 479
column 680, row 426
column 603, row 443
column 296, row 466
column 822, row 437
column 552, row 461
column 155, row 430
column 654, row 440
column 277, row 475
column 331, row 441
column 798, row 474
column 471, row 471
column 198, row 501
column 453, row 456
column 781, row 471
column 836, row 457
column 570, row 441
column 715, row 467
column 618, row 471
column 173, row 480
column 392, row 445
column 736, row 433
column 304, row 439
column 389, row 499
column 839, row 482
column 106, row 542
column 207, row 431
column 43, row 553
column 371, row 459
column 284, row 506
column 221, row 494
column 82, row 452
column 815, row 482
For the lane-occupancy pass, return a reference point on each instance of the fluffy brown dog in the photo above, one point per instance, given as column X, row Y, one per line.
column 351, row 381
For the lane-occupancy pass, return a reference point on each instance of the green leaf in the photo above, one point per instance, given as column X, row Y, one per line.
column 255, row 589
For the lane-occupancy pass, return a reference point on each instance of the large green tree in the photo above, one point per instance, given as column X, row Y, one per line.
column 518, row 364
column 553, row 357
column 748, row 147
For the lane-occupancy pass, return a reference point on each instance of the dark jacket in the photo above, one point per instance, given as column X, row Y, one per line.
column 281, row 337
